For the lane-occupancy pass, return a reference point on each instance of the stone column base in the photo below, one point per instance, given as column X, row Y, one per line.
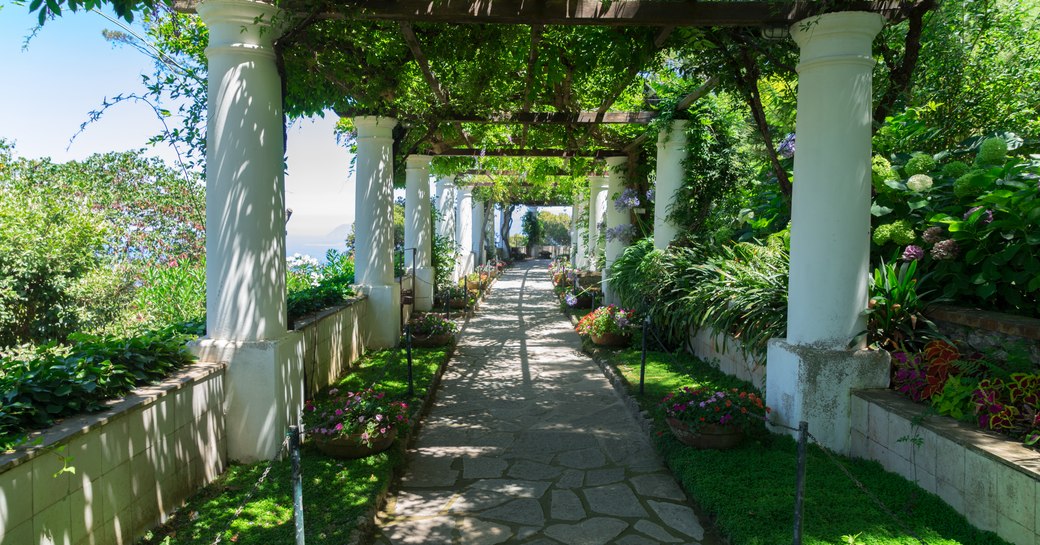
column 263, row 391
column 384, row 315
column 423, row 289
column 815, row 385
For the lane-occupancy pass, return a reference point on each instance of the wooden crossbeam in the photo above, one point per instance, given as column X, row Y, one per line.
column 683, row 13
column 485, row 172
column 683, row 104
column 557, row 118
column 515, row 152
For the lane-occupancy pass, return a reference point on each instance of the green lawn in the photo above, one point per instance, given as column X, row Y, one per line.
column 335, row 492
column 750, row 490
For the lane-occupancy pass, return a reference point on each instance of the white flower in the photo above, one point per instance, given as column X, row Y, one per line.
column 919, row 182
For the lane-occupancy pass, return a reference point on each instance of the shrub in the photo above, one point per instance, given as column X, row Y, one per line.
column 47, row 245
column 39, row 385
column 919, row 163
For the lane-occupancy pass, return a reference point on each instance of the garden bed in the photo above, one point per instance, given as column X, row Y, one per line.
column 340, row 496
column 749, row 491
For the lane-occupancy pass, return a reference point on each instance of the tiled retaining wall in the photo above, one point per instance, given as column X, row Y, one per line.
column 992, row 481
column 726, row 353
column 988, row 330
column 134, row 463
column 333, row 340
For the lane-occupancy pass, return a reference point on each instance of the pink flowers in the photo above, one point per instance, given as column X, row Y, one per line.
column 364, row 416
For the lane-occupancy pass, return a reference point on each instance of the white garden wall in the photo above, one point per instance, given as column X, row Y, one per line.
column 993, row 481
column 134, row 463
column 333, row 340
column 725, row 351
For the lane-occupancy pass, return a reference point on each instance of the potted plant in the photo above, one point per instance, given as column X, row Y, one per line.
column 583, row 298
column 457, row 296
column 706, row 418
column 608, row 326
column 353, row 424
column 430, row 330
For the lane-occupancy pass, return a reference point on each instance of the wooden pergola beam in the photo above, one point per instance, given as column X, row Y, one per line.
column 485, row 172
column 557, row 118
column 684, row 13
column 516, row 152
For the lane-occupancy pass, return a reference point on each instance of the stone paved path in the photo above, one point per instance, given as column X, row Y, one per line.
column 528, row 442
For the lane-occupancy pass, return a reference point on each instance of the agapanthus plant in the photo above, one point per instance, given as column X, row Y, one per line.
column 365, row 416
column 627, row 200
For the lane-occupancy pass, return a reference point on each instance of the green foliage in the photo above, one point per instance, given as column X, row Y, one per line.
column 919, row 163
column 556, row 228
column 40, row 385
column 992, row 151
column 955, row 398
column 713, row 166
column 895, row 319
column 532, row 228
column 955, row 169
column 738, row 289
column 172, row 293
column 47, row 246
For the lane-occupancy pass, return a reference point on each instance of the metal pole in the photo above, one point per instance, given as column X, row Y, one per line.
column 408, row 346
column 642, row 361
column 297, row 482
column 799, row 493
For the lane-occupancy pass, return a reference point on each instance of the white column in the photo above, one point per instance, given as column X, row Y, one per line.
column 597, row 214
column 417, row 229
column 446, row 207
column 581, row 257
column 245, row 226
column 478, row 233
column 374, row 228
column 615, row 185
column 671, row 144
column 464, row 230
column 811, row 372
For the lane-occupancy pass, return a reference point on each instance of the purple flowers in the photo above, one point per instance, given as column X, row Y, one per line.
column 945, row 249
column 786, row 147
column 627, row 200
column 913, row 253
column 571, row 299
column 985, row 217
column 623, row 233
column 933, row 234
column 650, row 195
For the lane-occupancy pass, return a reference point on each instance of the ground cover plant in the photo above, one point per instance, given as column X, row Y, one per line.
column 336, row 493
column 749, row 491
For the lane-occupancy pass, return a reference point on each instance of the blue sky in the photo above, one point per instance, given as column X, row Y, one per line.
column 68, row 69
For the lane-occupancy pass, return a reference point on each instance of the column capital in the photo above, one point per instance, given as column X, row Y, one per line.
column 465, row 191
column 838, row 35
column 617, row 160
column 373, row 126
column 418, row 161
column 246, row 25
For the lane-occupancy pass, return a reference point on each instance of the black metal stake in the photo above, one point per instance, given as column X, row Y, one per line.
column 642, row 361
column 408, row 346
column 297, row 482
column 799, row 492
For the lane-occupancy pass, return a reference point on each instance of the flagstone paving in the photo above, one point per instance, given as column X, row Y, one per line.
column 528, row 443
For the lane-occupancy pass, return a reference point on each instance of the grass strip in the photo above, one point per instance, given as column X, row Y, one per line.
column 750, row 490
column 338, row 495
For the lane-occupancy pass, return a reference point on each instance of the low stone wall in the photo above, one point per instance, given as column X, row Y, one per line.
column 333, row 340
column 725, row 351
column 990, row 331
column 993, row 481
column 134, row 463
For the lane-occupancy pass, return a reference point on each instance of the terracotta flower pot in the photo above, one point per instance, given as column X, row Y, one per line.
column 612, row 340
column 351, row 447
column 431, row 341
column 709, row 436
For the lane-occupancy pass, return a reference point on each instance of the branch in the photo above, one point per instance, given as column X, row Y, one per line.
column 901, row 76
